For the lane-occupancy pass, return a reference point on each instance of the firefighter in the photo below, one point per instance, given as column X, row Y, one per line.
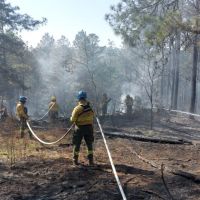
column 22, row 114
column 53, row 112
column 83, row 117
column 129, row 105
column 104, row 106
column 3, row 112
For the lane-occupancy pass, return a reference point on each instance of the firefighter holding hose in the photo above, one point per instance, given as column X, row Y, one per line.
column 22, row 114
column 83, row 117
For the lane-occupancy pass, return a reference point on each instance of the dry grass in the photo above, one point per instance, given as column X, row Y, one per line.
column 48, row 170
column 14, row 149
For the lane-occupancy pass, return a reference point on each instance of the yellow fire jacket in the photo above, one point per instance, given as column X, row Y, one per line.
column 20, row 111
column 82, row 114
column 129, row 101
column 105, row 101
column 55, row 107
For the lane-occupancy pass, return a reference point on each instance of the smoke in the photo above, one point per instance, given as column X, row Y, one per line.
column 63, row 70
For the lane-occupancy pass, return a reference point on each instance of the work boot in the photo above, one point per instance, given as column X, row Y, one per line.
column 30, row 135
column 75, row 160
column 22, row 134
column 91, row 160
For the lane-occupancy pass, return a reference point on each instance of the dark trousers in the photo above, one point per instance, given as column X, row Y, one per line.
column 23, row 127
column 104, row 109
column 53, row 116
column 129, row 111
column 86, row 132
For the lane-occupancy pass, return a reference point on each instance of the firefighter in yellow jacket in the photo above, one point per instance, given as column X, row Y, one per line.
column 3, row 112
column 53, row 112
column 83, row 117
column 104, row 106
column 22, row 114
column 129, row 105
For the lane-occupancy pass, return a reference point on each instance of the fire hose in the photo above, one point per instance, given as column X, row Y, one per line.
column 46, row 113
column 182, row 112
column 105, row 143
column 111, row 162
column 48, row 143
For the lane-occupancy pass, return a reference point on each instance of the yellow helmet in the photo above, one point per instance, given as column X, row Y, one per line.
column 53, row 98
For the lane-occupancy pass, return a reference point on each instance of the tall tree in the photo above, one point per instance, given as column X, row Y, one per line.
column 11, row 22
column 87, row 55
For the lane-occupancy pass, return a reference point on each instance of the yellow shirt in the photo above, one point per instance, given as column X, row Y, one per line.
column 54, row 106
column 20, row 111
column 82, row 114
column 129, row 101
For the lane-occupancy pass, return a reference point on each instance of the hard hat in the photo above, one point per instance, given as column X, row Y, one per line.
column 104, row 94
column 81, row 95
column 22, row 99
column 53, row 98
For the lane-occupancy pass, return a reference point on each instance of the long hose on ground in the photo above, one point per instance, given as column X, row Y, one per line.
column 105, row 143
column 111, row 161
column 48, row 143
column 182, row 112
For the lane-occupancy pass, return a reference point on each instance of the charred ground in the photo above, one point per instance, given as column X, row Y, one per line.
column 30, row 171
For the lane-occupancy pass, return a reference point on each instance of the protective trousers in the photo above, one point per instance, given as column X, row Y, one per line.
column 129, row 110
column 104, row 109
column 23, row 127
column 86, row 132
column 53, row 116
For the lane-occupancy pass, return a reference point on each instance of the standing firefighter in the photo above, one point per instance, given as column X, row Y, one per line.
column 104, row 106
column 3, row 112
column 53, row 110
column 129, row 105
column 83, row 117
column 22, row 114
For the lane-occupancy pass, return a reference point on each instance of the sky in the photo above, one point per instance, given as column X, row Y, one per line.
column 68, row 17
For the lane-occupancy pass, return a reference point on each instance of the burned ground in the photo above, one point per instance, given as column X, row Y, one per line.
column 31, row 171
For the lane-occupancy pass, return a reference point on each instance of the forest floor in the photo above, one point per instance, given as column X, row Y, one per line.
column 31, row 171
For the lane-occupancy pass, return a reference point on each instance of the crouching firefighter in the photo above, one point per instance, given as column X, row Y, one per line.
column 22, row 114
column 83, row 117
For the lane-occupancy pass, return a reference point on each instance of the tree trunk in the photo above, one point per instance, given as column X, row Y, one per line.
column 162, row 84
column 144, row 138
column 194, row 75
column 173, row 55
column 169, row 77
column 162, row 89
column 176, row 86
column 151, row 100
